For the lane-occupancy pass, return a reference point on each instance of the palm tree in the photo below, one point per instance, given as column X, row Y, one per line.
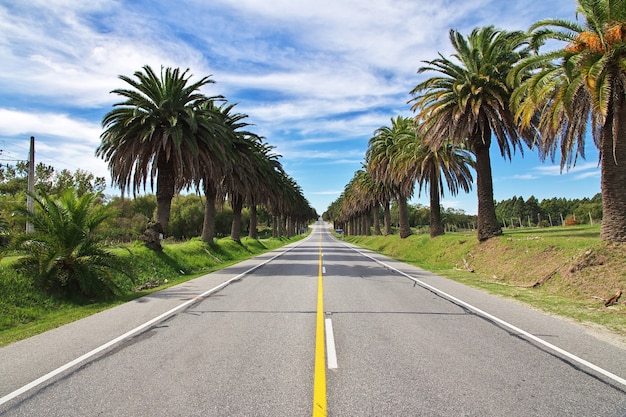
column 290, row 209
column 382, row 149
column 65, row 254
column 432, row 166
column 157, row 132
column 242, row 177
column 583, row 82
column 218, row 154
column 269, row 172
column 357, row 203
column 468, row 102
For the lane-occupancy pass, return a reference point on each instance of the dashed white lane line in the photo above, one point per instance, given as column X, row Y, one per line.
column 331, row 353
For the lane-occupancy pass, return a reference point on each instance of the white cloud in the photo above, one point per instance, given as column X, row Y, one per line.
column 52, row 49
column 60, row 140
column 326, row 192
column 15, row 123
column 525, row 177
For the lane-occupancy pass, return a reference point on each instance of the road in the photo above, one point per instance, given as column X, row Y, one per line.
column 394, row 341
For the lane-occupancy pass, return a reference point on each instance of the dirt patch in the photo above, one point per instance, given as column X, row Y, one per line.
column 514, row 262
column 593, row 274
column 597, row 273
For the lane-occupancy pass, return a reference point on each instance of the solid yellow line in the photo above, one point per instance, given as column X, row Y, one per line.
column 319, row 382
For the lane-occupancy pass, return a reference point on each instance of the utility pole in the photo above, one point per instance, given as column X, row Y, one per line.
column 31, row 183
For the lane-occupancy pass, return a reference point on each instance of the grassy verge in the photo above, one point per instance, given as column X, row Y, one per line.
column 567, row 271
column 25, row 311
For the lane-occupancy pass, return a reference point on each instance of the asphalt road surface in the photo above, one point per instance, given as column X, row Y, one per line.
column 394, row 341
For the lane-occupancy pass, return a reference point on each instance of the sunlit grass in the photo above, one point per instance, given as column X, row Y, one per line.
column 25, row 311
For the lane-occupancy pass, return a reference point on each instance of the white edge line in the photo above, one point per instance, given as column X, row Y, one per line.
column 132, row 332
column 516, row 329
column 331, row 353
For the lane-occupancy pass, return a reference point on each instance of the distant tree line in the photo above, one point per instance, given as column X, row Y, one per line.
column 516, row 211
column 132, row 214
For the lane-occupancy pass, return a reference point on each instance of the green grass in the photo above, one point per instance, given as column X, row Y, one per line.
column 580, row 271
column 25, row 311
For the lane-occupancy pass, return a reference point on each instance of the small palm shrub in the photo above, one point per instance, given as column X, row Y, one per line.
column 65, row 255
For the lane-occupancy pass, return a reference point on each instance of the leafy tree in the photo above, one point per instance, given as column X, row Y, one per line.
column 457, row 218
column 145, row 205
column 586, row 209
column 583, row 83
column 420, row 216
column 468, row 103
column 65, row 255
column 532, row 210
column 186, row 217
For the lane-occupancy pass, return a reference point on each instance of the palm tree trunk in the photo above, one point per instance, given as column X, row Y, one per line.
column 488, row 225
column 386, row 218
column 403, row 211
column 436, row 228
column 235, row 228
column 376, row 217
column 613, row 176
column 275, row 221
column 164, row 193
column 253, row 222
column 208, row 225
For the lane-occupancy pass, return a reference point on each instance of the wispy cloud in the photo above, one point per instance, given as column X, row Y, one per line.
column 20, row 123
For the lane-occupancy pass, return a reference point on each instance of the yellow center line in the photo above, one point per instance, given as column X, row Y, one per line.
column 319, row 382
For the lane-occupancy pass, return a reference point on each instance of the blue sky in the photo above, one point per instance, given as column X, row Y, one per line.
column 315, row 77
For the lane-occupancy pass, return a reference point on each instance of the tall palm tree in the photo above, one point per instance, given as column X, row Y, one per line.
column 468, row 102
column 583, row 82
column 382, row 149
column 269, row 172
column 219, row 152
column 293, row 206
column 156, row 133
column 242, row 178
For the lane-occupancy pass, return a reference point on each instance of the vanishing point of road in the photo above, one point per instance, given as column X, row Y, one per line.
column 316, row 328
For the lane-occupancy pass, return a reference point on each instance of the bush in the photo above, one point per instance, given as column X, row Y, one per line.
column 65, row 255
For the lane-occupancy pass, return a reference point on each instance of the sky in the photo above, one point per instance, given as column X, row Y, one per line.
column 315, row 77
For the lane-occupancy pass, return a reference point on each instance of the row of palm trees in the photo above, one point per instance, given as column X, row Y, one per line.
column 167, row 130
column 396, row 160
column 501, row 86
